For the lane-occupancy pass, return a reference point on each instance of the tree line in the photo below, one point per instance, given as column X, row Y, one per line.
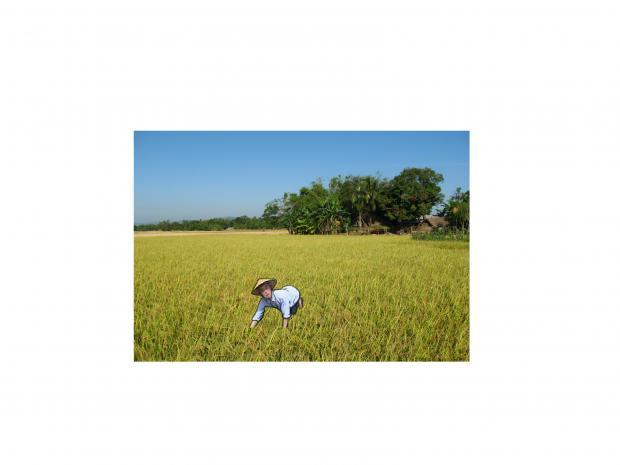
column 212, row 224
column 347, row 202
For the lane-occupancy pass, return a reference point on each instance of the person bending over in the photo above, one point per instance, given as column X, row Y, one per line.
column 287, row 300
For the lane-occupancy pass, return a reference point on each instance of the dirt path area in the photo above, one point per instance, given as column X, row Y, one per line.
column 215, row 233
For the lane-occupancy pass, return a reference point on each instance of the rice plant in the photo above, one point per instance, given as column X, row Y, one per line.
column 367, row 298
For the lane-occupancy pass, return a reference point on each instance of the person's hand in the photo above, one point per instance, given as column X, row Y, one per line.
column 253, row 324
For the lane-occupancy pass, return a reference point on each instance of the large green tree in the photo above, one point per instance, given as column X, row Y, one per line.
column 410, row 195
column 273, row 214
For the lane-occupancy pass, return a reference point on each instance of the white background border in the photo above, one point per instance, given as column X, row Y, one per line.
column 536, row 83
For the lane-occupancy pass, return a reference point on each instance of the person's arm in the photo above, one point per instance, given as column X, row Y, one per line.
column 259, row 313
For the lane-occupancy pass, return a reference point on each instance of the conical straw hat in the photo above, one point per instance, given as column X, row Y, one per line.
column 260, row 282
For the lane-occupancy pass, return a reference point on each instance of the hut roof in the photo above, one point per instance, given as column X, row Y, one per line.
column 436, row 221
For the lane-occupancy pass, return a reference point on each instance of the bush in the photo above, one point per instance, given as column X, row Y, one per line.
column 442, row 235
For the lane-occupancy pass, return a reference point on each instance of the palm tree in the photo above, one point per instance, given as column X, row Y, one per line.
column 364, row 198
column 357, row 200
column 370, row 187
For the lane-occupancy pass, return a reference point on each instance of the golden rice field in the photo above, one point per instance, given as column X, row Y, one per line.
column 367, row 298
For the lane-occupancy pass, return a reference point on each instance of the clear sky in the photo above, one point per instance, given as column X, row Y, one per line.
column 199, row 175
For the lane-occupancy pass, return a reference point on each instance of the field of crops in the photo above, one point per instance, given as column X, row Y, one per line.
column 367, row 298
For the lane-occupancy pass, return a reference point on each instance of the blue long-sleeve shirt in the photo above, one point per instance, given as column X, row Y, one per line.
column 282, row 299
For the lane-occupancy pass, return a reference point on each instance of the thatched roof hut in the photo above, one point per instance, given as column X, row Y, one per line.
column 430, row 223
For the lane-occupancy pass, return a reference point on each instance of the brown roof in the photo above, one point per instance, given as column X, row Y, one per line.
column 436, row 221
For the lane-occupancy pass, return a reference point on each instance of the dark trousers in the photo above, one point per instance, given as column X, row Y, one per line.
column 295, row 307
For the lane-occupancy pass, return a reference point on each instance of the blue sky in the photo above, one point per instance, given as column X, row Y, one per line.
column 194, row 175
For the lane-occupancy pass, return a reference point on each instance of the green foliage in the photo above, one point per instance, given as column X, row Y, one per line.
column 367, row 298
column 273, row 213
column 349, row 200
column 213, row 224
column 456, row 210
column 411, row 195
column 314, row 210
column 359, row 196
column 329, row 216
column 448, row 234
